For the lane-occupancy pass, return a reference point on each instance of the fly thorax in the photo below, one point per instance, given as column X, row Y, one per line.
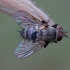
column 47, row 34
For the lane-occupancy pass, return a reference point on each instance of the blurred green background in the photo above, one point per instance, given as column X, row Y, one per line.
column 54, row 57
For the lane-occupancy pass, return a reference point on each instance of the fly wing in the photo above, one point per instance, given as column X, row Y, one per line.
column 24, row 19
column 25, row 49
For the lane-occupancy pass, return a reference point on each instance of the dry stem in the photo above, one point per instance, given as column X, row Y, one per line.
column 11, row 6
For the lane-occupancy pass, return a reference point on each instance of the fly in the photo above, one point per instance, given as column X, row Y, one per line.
column 36, row 34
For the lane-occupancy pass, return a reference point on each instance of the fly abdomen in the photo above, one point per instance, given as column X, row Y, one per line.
column 29, row 33
column 34, row 36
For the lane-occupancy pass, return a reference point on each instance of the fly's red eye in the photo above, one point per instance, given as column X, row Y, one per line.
column 60, row 33
column 59, row 37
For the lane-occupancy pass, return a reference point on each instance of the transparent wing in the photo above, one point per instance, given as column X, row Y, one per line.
column 24, row 49
column 24, row 19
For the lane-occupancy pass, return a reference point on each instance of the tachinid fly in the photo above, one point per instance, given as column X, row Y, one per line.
column 36, row 34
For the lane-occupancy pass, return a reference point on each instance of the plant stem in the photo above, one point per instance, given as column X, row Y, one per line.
column 11, row 6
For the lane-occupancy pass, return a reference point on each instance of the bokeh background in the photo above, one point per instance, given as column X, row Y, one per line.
column 54, row 57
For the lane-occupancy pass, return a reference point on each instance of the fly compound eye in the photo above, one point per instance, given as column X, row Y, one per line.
column 59, row 37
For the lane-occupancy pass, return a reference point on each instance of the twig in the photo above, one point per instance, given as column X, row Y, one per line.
column 11, row 6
